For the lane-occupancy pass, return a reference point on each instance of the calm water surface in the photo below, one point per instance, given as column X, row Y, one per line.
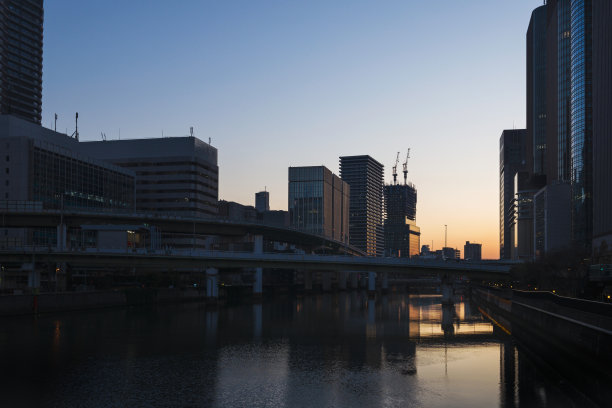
column 339, row 350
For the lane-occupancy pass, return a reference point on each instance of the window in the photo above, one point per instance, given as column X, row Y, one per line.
column 8, row 158
column 7, row 170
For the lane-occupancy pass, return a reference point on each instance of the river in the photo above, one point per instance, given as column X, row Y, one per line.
column 327, row 350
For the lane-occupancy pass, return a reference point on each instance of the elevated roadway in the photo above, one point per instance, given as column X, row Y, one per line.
column 34, row 216
column 224, row 259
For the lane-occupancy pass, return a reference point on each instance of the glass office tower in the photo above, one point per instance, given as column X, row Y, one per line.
column 563, row 89
column 319, row 202
column 581, row 121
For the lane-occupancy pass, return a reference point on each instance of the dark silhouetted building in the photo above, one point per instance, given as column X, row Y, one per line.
column 525, row 187
column 602, row 124
column 21, row 57
column 364, row 175
column 237, row 212
column 513, row 153
column 536, row 88
column 552, row 215
column 472, row 251
column 319, row 202
column 262, row 201
column 402, row 236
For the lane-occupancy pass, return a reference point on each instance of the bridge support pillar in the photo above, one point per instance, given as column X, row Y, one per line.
column 61, row 237
column 354, row 280
column 371, row 284
column 385, row 282
column 34, row 279
column 212, row 284
column 307, row 281
column 257, row 320
column 446, row 287
column 258, row 281
column 342, row 276
column 326, row 281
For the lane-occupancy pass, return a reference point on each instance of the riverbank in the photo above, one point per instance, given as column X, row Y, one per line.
column 12, row 305
column 571, row 336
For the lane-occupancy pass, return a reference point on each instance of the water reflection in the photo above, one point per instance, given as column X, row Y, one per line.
column 325, row 350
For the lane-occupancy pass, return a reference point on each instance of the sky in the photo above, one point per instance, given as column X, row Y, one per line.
column 286, row 83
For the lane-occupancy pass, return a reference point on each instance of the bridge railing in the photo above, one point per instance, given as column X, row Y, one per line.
column 265, row 256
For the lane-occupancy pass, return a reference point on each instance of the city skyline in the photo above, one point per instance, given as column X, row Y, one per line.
column 310, row 82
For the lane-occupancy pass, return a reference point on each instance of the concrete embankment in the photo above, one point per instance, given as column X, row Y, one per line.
column 575, row 327
column 68, row 301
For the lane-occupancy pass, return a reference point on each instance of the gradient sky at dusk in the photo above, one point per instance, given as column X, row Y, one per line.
column 292, row 83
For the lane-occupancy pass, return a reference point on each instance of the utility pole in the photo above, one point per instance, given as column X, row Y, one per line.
column 445, row 230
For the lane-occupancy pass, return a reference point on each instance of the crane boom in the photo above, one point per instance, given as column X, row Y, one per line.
column 406, row 167
column 395, row 169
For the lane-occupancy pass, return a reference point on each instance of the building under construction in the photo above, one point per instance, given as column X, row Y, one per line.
column 402, row 235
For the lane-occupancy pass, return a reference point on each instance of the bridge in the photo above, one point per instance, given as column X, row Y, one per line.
column 349, row 265
column 32, row 215
column 209, row 262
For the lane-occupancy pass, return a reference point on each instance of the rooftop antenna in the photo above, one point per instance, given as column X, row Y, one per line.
column 103, row 135
column 191, row 131
column 395, row 169
column 209, row 141
column 55, row 123
column 76, row 127
column 406, row 167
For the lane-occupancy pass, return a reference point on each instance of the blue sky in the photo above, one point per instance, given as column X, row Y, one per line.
column 289, row 83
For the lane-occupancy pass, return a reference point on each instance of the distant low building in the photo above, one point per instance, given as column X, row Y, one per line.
column 450, row 253
column 472, row 251
column 237, row 212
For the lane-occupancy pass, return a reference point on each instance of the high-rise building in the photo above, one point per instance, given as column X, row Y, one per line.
column 402, row 236
column 262, row 201
column 551, row 213
column 21, row 56
column 525, row 186
column 472, row 251
column 513, row 148
column 581, row 124
column 602, row 125
column 536, row 88
column 364, row 175
column 319, row 202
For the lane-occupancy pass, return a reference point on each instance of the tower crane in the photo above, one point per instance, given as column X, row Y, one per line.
column 395, row 169
column 406, row 167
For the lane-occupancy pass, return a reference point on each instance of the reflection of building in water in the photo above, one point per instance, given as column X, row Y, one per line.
column 508, row 364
